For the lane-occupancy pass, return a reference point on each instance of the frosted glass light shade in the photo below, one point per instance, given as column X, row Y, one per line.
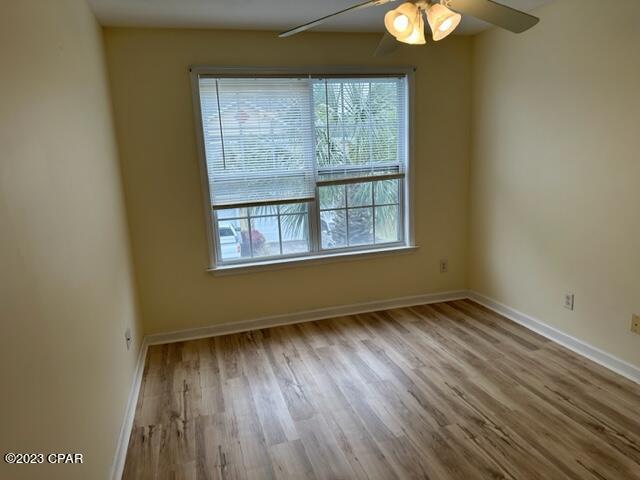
column 400, row 21
column 442, row 21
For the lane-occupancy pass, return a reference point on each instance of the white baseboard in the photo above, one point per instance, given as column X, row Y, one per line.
column 578, row 346
column 127, row 425
column 304, row 316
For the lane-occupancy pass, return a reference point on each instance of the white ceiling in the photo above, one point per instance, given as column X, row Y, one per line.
column 259, row 14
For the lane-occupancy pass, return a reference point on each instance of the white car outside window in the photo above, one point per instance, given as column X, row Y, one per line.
column 229, row 241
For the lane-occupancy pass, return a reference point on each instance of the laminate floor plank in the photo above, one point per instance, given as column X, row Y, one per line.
column 442, row 392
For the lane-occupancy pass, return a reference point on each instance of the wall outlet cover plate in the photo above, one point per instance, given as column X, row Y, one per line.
column 444, row 266
column 569, row 301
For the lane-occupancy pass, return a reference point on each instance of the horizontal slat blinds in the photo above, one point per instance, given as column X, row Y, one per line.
column 258, row 135
column 360, row 127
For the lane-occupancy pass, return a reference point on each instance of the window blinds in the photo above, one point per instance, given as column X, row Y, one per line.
column 258, row 140
column 271, row 140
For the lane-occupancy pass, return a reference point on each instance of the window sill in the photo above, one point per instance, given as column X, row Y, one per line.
column 310, row 260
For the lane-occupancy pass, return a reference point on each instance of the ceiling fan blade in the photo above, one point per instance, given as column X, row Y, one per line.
column 387, row 45
column 496, row 13
column 307, row 26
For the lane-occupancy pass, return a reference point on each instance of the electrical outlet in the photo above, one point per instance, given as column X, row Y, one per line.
column 127, row 338
column 635, row 324
column 569, row 299
column 444, row 266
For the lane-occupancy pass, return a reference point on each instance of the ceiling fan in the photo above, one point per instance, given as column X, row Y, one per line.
column 406, row 23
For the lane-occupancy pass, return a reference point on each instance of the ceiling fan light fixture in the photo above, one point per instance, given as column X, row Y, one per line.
column 442, row 21
column 400, row 21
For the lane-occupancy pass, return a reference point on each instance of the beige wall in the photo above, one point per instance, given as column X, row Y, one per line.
column 66, row 289
column 553, row 204
column 555, row 197
column 154, row 118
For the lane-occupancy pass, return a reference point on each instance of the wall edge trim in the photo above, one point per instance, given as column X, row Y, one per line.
column 117, row 468
column 582, row 348
column 301, row 317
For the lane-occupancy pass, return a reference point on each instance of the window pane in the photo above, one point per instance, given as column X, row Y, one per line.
column 231, row 213
column 294, row 208
column 360, row 226
column 387, row 192
column 265, row 237
column 333, row 228
column 359, row 194
column 295, row 233
column 332, row 197
column 230, row 235
column 387, row 223
column 363, row 118
column 234, row 239
column 385, row 120
column 263, row 210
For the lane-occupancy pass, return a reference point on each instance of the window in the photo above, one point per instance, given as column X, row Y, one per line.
column 299, row 165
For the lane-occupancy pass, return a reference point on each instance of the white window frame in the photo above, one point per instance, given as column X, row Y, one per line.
column 316, row 254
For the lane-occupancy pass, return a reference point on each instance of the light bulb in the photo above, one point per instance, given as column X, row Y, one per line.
column 416, row 36
column 401, row 22
column 446, row 25
column 413, row 38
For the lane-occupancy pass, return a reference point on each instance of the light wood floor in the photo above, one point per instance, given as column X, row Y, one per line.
column 446, row 391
